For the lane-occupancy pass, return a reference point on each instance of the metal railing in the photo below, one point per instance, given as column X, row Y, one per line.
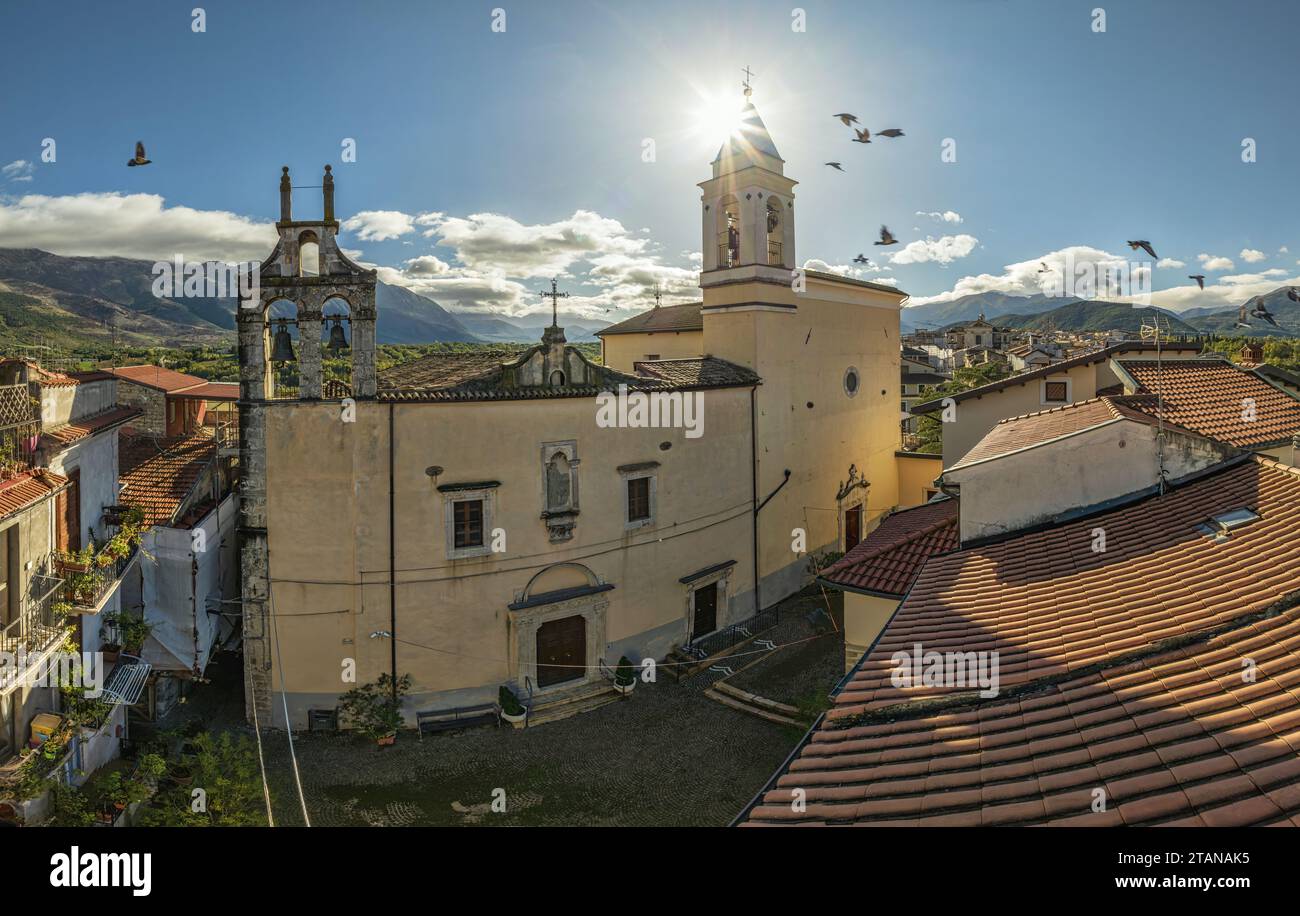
column 86, row 588
column 774, row 253
column 733, row 635
column 727, row 256
column 20, row 429
column 37, row 626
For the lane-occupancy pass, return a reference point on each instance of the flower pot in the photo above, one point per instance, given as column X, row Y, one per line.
column 387, row 740
column 625, row 688
column 182, row 776
column 110, row 653
column 517, row 719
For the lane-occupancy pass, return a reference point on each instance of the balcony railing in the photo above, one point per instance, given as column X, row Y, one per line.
column 774, row 254
column 86, row 584
column 37, row 627
column 727, row 256
column 20, row 429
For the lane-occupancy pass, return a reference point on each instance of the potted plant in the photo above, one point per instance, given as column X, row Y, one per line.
column 375, row 709
column 511, row 709
column 625, row 676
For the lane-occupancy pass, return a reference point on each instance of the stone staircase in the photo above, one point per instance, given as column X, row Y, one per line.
column 754, row 704
column 561, row 705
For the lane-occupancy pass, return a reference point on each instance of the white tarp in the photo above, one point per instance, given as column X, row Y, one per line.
column 186, row 574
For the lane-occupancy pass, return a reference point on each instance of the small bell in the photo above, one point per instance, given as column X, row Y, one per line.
column 282, row 346
column 338, row 340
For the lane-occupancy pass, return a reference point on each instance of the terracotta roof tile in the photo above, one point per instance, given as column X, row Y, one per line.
column 168, row 380
column 1211, row 397
column 159, row 474
column 889, row 559
column 1090, row 697
column 69, row 433
column 665, row 318
column 26, row 489
column 697, row 372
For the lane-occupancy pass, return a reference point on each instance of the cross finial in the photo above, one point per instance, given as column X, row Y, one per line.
column 749, row 90
column 555, row 296
column 659, row 294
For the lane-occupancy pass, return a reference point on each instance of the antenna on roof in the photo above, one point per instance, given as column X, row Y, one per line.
column 1152, row 331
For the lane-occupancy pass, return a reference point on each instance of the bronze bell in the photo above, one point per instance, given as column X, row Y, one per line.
column 338, row 340
column 282, row 346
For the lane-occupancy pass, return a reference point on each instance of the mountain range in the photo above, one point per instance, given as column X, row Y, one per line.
column 69, row 302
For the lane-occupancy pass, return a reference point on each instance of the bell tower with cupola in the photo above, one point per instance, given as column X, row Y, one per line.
column 748, row 208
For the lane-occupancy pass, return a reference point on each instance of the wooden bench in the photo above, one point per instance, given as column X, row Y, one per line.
column 441, row 720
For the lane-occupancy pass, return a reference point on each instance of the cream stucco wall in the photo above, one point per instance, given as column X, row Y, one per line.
column 327, row 492
column 864, row 618
column 806, row 421
column 620, row 351
column 1037, row 485
column 916, row 477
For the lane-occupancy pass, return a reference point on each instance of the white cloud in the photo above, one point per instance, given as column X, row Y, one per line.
column 946, row 216
column 942, row 250
column 1215, row 262
column 379, row 225
column 1027, row 278
column 1252, row 255
column 106, row 224
column 426, row 266
column 18, row 170
column 1284, row 250
column 1171, row 263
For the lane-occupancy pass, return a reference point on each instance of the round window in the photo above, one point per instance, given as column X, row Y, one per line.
column 851, row 381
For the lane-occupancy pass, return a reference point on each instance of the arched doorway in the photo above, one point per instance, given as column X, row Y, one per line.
column 561, row 651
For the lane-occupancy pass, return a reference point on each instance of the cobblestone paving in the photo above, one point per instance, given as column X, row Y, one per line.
column 804, row 673
column 666, row 756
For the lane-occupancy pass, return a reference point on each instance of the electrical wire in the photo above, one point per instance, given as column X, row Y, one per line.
column 284, row 700
column 261, row 762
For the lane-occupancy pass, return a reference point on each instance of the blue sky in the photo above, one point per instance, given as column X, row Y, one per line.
column 490, row 160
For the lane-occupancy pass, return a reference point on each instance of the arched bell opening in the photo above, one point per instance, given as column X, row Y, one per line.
column 308, row 254
column 728, row 232
column 336, row 348
column 283, row 349
column 775, row 232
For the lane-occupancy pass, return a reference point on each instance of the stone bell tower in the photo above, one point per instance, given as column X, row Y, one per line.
column 306, row 273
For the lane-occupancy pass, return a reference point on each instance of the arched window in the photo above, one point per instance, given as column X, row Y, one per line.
column 729, row 232
column 308, row 255
column 557, row 379
column 336, row 338
column 775, row 232
column 283, row 348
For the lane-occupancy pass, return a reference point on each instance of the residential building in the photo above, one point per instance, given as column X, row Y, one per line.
column 664, row 332
column 172, row 403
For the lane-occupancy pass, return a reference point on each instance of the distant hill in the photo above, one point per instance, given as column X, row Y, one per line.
column 1285, row 312
column 528, row 328
column 77, row 301
column 934, row 315
column 1095, row 315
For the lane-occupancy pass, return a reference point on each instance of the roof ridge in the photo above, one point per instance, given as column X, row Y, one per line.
column 877, row 551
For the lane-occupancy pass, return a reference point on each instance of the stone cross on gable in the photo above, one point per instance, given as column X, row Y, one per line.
column 555, row 296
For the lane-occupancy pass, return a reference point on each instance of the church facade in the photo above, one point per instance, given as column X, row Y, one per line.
column 475, row 520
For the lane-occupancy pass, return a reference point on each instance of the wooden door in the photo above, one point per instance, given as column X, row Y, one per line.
column 852, row 528
column 561, row 651
column 706, row 611
column 67, row 509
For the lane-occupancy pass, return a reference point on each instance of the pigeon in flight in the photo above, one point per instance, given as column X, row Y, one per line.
column 892, row 132
column 1145, row 246
column 836, row 166
column 847, row 118
column 1241, row 316
column 863, row 136
column 1043, row 269
column 1199, row 278
column 861, row 259
column 139, row 156
column 1261, row 311
column 886, row 237
column 1293, row 294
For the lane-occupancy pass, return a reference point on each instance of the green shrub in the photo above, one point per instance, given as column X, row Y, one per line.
column 509, row 703
column 625, row 674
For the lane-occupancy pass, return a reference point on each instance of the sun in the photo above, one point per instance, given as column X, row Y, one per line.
column 715, row 118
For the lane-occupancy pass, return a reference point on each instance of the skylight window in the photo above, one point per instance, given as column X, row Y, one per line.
column 1221, row 526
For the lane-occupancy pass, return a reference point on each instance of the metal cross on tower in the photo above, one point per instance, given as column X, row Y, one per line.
column 659, row 294
column 555, row 296
column 749, row 90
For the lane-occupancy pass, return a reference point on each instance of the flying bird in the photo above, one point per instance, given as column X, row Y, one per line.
column 1145, row 246
column 861, row 259
column 1293, row 294
column 886, row 237
column 1044, row 268
column 863, row 136
column 1199, row 278
column 1241, row 317
column 836, row 166
column 892, row 132
column 139, row 156
column 1261, row 311
column 847, row 118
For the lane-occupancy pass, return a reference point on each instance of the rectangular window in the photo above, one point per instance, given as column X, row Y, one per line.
column 1054, row 392
column 638, row 499
column 467, row 520
column 652, row 356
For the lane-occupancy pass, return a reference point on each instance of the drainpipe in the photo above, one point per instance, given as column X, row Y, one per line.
column 753, row 487
column 392, row 552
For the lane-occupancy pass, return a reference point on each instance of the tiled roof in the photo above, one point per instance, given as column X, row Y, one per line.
column 888, row 560
column 159, row 474
column 697, row 372
column 1210, row 397
column 685, row 317
column 1098, row 355
column 27, row 489
column 213, row 391
column 1027, row 430
column 1119, row 670
column 445, row 370
column 47, row 377
column 157, row 377
column 69, row 433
